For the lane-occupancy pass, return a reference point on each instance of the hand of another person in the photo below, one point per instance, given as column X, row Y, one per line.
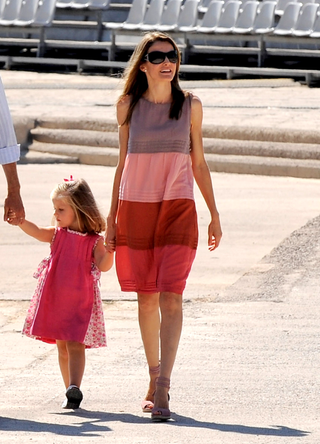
column 110, row 238
column 214, row 233
column 13, row 209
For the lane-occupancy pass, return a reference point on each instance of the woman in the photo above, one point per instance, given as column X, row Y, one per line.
column 152, row 216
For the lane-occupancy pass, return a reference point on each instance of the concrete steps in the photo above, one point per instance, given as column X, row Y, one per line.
column 89, row 155
column 241, row 150
column 79, row 137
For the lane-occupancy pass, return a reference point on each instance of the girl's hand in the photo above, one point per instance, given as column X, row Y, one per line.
column 12, row 218
column 214, row 233
column 102, row 256
column 110, row 238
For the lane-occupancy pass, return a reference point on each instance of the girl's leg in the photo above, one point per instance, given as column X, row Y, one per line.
column 72, row 362
column 170, row 332
column 77, row 360
column 149, row 322
column 63, row 361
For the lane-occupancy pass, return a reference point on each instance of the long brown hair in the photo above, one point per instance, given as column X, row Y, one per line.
column 78, row 194
column 136, row 81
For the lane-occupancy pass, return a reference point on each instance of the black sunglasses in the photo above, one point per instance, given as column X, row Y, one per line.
column 157, row 57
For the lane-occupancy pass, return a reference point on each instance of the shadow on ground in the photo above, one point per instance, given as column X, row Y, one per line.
column 94, row 425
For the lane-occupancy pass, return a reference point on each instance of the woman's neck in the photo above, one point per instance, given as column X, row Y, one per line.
column 159, row 93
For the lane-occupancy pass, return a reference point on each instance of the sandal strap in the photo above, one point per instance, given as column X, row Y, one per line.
column 163, row 382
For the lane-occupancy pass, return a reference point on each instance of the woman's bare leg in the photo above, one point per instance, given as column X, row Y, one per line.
column 170, row 332
column 149, row 322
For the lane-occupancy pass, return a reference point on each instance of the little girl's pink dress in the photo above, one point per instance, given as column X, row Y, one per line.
column 67, row 303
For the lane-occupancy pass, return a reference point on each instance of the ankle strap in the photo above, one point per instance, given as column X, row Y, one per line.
column 163, row 382
column 154, row 370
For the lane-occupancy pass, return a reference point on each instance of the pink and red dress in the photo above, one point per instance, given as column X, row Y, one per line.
column 67, row 304
column 157, row 230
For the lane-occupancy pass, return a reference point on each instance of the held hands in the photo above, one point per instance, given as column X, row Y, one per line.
column 110, row 238
column 214, row 233
column 13, row 209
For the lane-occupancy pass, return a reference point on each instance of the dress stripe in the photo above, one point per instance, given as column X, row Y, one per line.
column 150, row 271
column 172, row 222
column 157, row 177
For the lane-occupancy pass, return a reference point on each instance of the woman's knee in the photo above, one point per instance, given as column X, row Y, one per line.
column 170, row 303
column 148, row 303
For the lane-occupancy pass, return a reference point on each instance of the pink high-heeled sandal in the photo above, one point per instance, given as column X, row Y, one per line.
column 158, row 413
column 147, row 405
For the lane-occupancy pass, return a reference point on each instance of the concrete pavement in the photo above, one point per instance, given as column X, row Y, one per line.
column 247, row 367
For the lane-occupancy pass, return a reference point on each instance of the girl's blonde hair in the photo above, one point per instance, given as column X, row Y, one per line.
column 78, row 194
column 136, row 81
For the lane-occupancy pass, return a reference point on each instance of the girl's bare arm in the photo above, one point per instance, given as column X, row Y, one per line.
column 103, row 258
column 42, row 234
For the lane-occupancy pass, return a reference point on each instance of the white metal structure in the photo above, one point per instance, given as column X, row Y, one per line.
column 27, row 13
column 188, row 16
column 10, row 12
column 306, row 20
column 153, row 15
column 264, row 22
column 228, row 17
column 289, row 19
column 170, row 15
column 245, row 20
column 45, row 13
column 99, row 4
column 211, row 18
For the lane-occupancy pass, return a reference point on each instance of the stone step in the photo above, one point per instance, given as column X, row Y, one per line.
column 109, row 139
column 264, row 166
column 75, row 137
column 258, row 148
column 80, row 124
column 88, row 155
column 272, row 134
column 37, row 157
column 244, row 164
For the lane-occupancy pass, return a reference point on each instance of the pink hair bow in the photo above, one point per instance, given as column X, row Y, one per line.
column 69, row 180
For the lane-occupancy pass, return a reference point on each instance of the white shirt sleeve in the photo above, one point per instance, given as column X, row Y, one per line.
column 9, row 149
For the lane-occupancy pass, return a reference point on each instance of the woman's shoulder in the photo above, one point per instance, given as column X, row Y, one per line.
column 192, row 97
column 193, row 101
column 123, row 106
column 124, row 102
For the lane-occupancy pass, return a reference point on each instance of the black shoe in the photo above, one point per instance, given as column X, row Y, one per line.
column 73, row 399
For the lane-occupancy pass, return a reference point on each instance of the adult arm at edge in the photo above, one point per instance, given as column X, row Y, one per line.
column 13, row 202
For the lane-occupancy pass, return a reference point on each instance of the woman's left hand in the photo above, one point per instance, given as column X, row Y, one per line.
column 110, row 238
column 214, row 233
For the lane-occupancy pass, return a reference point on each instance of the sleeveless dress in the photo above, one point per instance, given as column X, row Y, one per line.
column 67, row 304
column 157, row 230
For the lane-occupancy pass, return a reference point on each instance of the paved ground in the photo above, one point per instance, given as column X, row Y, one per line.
column 247, row 367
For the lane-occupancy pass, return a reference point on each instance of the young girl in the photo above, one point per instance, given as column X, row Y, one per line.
column 66, row 308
